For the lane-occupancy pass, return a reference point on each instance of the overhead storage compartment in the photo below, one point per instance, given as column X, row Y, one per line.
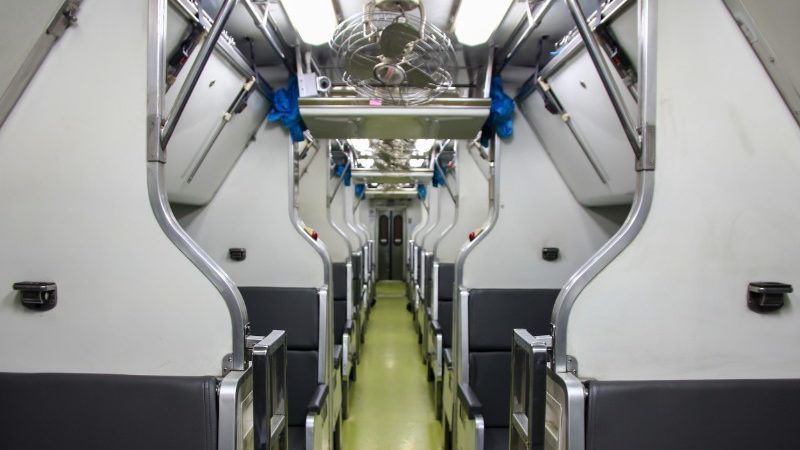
column 573, row 116
column 221, row 117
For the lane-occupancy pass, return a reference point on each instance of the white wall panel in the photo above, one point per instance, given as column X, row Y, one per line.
column 536, row 210
column 251, row 210
column 673, row 304
column 312, row 201
column 473, row 208
column 73, row 190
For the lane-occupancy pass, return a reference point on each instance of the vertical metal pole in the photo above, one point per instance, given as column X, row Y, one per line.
column 593, row 47
column 197, row 69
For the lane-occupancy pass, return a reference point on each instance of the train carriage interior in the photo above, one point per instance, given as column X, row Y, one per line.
column 399, row 224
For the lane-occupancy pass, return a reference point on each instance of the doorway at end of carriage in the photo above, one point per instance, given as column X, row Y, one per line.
column 391, row 234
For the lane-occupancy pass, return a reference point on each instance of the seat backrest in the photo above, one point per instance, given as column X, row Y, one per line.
column 428, row 280
column 295, row 310
column 47, row 411
column 446, row 281
column 339, row 320
column 493, row 316
column 693, row 415
column 339, row 279
column 355, row 259
column 446, row 322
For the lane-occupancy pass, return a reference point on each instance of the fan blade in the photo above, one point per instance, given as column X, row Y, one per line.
column 395, row 37
column 359, row 66
column 416, row 77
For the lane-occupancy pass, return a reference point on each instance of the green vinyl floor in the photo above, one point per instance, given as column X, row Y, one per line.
column 391, row 403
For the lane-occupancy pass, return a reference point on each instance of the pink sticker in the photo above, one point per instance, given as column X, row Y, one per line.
column 375, row 102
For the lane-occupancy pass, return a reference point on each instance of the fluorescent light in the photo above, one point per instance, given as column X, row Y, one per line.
column 314, row 20
column 476, row 20
column 361, row 145
column 423, row 145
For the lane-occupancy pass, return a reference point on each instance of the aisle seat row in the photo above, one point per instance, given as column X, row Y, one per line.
column 474, row 399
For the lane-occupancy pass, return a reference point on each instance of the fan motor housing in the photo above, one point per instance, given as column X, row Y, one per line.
column 397, row 5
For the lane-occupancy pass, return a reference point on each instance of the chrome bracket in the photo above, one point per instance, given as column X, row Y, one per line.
column 227, row 363
column 572, row 365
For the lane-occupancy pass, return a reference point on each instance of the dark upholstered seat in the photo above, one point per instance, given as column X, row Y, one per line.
column 86, row 411
column 493, row 316
column 295, row 310
column 693, row 415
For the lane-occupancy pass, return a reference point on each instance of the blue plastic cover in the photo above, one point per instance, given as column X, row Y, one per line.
column 340, row 170
column 422, row 191
column 438, row 176
column 500, row 115
column 360, row 188
column 285, row 108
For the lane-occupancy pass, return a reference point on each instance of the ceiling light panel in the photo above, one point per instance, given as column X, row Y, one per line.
column 476, row 20
column 314, row 20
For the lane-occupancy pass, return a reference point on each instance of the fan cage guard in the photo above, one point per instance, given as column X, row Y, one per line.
column 431, row 54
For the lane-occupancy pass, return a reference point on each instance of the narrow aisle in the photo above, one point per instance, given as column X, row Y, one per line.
column 391, row 405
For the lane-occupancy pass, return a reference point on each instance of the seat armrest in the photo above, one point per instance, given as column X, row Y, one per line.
column 437, row 329
column 448, row 358
column 337, row 356
column 317, row 402
column 470, row 399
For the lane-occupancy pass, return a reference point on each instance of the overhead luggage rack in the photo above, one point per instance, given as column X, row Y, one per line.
column 391, row 194
column 353, row 117
column 420, row 176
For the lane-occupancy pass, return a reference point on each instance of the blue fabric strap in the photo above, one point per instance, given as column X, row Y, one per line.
column 286, row 109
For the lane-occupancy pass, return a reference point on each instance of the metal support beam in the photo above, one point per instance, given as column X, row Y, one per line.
column 262, row 25
column 593, row 48
column 339, row 183
column 532, row 22
column 197, row 69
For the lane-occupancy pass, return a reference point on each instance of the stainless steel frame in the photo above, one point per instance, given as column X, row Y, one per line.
column 329, row 200
column 66, row 15
column 645, row 185
column 209, row 43
column 265, row 27
column 530, row 22
column 574, row 407
column 270, row 420
column 614, row 94
column 460, row 360
column 233, row 390
column 528, row 390
column 325, row 344
column 224, row 45
column 158, row 193
column 610, row 12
